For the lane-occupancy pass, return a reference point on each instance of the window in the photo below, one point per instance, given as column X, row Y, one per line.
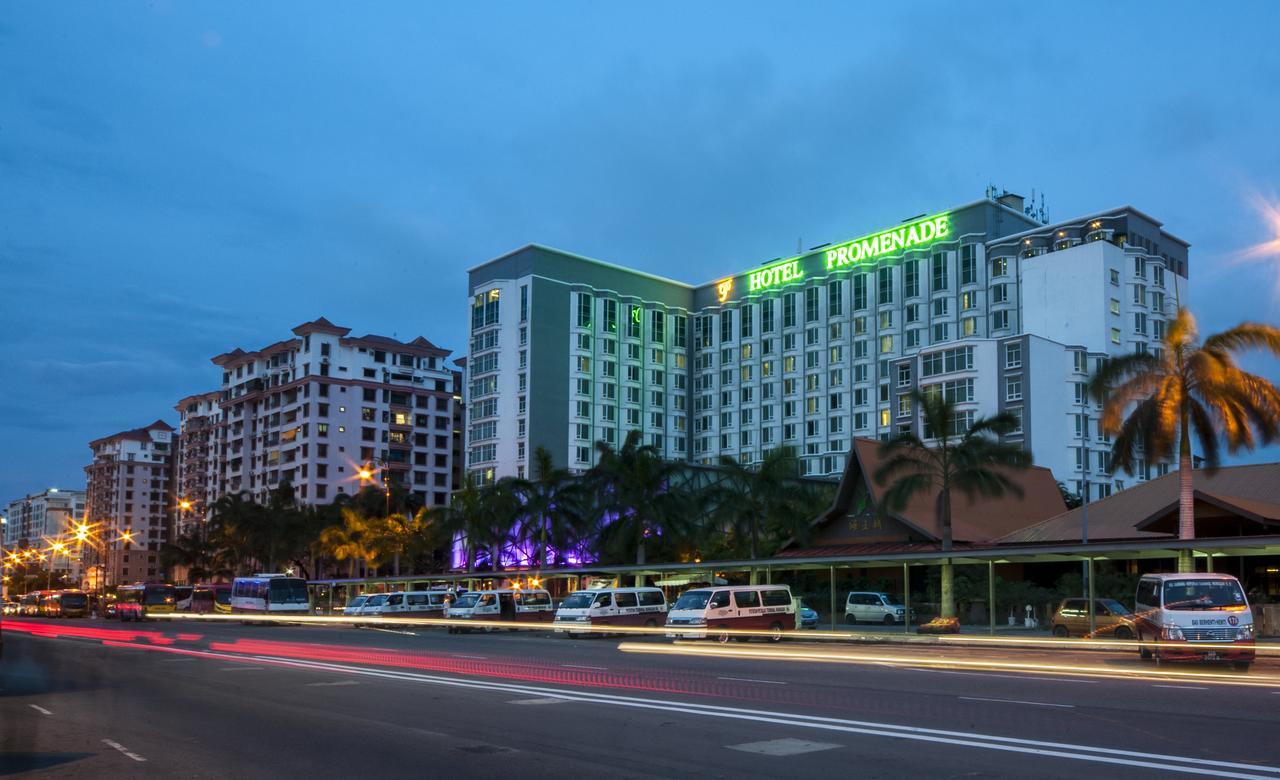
column 904, row 406
column 1013, row 388
column 746, row 325
column 681, row 326
column 1000, row 266
column 910, row 279
column 860, row 291
column 999, row 293
column 886, row 319
column 912, row 339
column 766, row 315
column 835, row 298
column 1115, row 335
column 999, row 320
column 1115, row 277
column 969, row 325
column 584, row 310
column 904, row 375
column 968, row 300
column 886, row 345
column 1140, row 323
column 956, row 391
column 1115, row 305
column 939, row 272
column 968, row 264
column 1080, row 361
column 610, row 316
column 940, row 307
column 1013, row 355
column 885, row 276
column 633, row 322
column 947, row 361
column 524, row 303
column 789, row 310
column 941, row 332
column 811, row 304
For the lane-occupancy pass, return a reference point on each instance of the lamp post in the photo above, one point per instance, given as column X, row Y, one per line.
column 1086, row 564
column 4, row 578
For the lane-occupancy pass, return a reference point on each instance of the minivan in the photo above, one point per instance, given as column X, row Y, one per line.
column 700, row 612
column 508, row 605
column 1194, row 617
column 417, row 604
column 874, row 607
column 586, row 609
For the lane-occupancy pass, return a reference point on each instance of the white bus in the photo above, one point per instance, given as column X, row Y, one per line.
column 273, row 594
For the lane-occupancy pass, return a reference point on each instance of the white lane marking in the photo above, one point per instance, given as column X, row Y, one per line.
column 460, row 655
column 989, row 674
column 1065, row 750
column 543, row 700
column 783, row 747
column 1184, row 687
column 240, row 668
column 332, row 684
column 123, row 749
column 392, row 631
column 580, row 666
column 1018, row 701
column 749, row 679
column 39, row 709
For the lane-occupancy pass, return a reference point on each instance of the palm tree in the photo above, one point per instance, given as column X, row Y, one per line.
column 354, row 540
column 636, row 496
column 748, row 497
column 973, row 461
column 1153, row 400
column 463, row 519
column 552, row 507
column 195, row 553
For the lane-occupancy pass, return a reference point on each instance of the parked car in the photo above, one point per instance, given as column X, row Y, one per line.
column 354, row 605
column 808, row 616
column 875, row 607
column 1110, row 618
column 9, row 608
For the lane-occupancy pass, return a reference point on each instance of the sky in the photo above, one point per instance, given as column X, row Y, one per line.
column 179, row 179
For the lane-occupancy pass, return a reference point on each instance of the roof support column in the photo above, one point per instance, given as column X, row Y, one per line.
column 991, row 597
column 906, row 598
column 1208, row 563
column 1093, row 612
column 831, row 570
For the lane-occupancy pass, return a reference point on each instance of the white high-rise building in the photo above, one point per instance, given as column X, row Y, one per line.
column 319, row 407
column 983, row 302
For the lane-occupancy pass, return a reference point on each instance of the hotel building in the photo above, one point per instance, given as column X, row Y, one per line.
column 199, row 422
column 50, row 514
column 315, row 408
column 129, row 501
column 983, row 302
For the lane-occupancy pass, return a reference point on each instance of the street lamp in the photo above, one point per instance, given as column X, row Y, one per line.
column 366, row 474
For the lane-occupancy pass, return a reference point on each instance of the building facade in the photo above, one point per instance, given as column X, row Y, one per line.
column 317, row 408
column 38, row 520
column 196, row 471
column 983, row 302
column 129, row 503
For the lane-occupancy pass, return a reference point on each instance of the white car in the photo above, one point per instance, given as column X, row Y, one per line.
column 353, row 606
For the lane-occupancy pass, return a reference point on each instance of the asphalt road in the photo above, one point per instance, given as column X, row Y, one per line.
column 103, row 700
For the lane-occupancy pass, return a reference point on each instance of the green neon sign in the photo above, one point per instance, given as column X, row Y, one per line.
column 774, row 275
column 920, row 233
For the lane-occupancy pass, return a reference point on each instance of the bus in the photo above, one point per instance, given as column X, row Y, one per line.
column 274, row 594
column 182, row 597
column 211, row 598
column 139, row 602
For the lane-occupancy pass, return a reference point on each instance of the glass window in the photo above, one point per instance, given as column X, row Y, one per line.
column 746, row 598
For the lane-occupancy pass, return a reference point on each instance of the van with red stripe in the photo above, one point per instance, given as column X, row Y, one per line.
column 1194, row 617
column 584, row 610
column 716, row 611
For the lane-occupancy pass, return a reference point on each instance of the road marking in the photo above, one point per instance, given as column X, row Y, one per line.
column 749, row 679
column 333, row 684
column 392, row 631
column 240, row 668
column 988, row 674
column 39, row 709
column 1042, row 748
column 123, row 749
column 543, row 700
column 580, row 666
column 783, row 747
column 460, row 655
column 1183, row 687
column 1018, row 701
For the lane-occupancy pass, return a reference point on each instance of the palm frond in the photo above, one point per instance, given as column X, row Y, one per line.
column 1248, row 335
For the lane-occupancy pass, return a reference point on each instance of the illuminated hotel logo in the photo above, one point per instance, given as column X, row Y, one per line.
column 916, row 234
column 723, row 289
column 774, row 275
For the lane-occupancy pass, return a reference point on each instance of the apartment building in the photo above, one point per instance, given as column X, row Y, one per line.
column 318, row 407
column 196, row 472
column 984, row 301
column 129, row 502
column 47, row 515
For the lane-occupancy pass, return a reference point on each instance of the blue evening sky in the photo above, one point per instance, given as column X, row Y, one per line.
column 178, row 179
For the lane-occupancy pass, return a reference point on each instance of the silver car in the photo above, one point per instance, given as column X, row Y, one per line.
column 874, row 607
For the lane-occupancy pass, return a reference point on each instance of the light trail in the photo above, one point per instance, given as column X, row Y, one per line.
column 837, row 656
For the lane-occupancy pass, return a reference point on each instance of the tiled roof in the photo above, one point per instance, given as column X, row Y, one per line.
column 1129, row 514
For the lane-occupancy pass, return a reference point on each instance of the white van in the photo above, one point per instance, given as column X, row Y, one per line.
column 508, row 605
column 873, row 607
column 701, row 611
column 372, row 606
column 1194, row 617
column 584, row 610
column 417, row 604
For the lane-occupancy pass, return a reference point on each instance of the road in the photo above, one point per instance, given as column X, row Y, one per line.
column 99, row 699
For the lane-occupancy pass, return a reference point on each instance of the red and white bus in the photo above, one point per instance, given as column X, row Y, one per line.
column 717, row 611
column 585, row 610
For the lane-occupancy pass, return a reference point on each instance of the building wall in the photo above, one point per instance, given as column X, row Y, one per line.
column 130, row 492
column 752, row 377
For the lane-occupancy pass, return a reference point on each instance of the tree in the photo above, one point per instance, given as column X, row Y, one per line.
column 1152, row 401
column 636, row 497
column 353, row 541
column 463, row 520
column 1072, row 500
column 196, row 553
column 749, row 498
column 971, row 460
column 552, row 511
